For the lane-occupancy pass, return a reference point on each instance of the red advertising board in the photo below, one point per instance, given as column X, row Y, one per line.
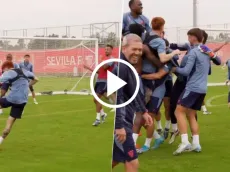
column 70, row 60
column 58, row 61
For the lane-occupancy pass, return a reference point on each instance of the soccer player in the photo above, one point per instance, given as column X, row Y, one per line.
column 181, row 81
column 101, row 84
column 26, row 65
column 9, row 57
column 17, row 98
column 135, row 17
column 190, row 101
column 168, row 92
column 228, row 80
column 124, row 150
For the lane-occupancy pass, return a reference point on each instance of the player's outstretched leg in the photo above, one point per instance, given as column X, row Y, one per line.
column 33, row 94
column 9, row 124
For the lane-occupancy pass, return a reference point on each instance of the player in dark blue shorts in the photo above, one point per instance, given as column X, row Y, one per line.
column 18, row 81
column 124, row 150
column 190, row 101
column 27, row 65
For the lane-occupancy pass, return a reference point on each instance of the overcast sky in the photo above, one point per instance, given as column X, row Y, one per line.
column 17, row 14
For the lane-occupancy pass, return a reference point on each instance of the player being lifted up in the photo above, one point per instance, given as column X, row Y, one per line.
column 26, row 65
column 135, row 17
column 101, row 84
column 158, row 48
column 18, row 80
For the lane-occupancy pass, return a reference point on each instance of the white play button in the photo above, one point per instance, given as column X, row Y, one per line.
column 113, row 83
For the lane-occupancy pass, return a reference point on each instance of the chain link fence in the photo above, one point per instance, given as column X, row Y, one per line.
column 107, row 33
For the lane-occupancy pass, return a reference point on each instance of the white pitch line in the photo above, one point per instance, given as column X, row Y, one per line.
column 209, row 101
column 55, row 113
column 61, row 100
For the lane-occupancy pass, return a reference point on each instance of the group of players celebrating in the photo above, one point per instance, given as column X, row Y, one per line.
column 155, row 60
column 16, row 80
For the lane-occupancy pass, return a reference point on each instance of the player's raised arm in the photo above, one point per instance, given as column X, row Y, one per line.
column 220, row 47
column 181, row 47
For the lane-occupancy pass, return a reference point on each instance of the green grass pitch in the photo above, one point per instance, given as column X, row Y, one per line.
column 57, row 134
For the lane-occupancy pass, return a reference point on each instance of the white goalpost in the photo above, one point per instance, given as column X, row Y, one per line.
column 58, row 62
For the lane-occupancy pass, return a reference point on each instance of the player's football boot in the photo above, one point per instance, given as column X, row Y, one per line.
column 166, row 133
column 97, row 122
column 173, row 136
column 207, row 113
column 182, row 148
column 196, row 148
column 159, row 131
column 158, row 142
column 143, row 149
column 35, row 102
column 103, row 117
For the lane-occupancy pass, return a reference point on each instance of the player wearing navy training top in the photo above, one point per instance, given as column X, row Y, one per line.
column 196, row 69
column 124, row 150
column 17, row 98
column 228, row 80
column 135, row 17
column 26, row 65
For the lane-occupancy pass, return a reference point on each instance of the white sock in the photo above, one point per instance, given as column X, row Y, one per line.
column 1, row 140
column 159, row 126
column 34, row 99
column 102, row 112
column 111, row 101
column 204, row 109
column 156, row 135
column 148, row 141
column 195, row 140
column 98, row 116
column 184, row 138
column 135, row 137
column 167, row 124
column 1, row 111
column 174, row 127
